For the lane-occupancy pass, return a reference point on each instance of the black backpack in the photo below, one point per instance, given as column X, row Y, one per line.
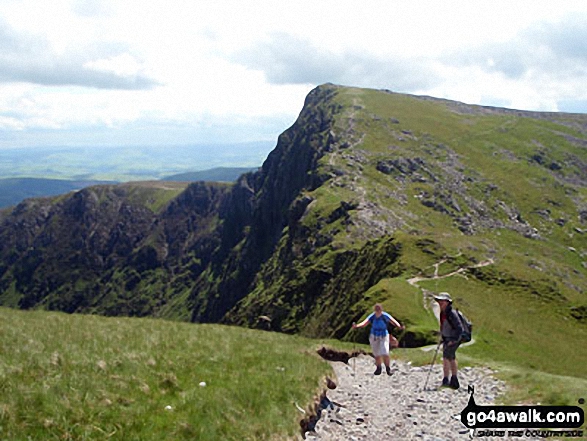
column 467, row 327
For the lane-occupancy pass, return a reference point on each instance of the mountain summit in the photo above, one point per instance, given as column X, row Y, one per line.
column 366, row 191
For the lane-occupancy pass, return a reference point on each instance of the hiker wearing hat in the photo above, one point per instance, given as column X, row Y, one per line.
column 451, row 331
column 379, row 336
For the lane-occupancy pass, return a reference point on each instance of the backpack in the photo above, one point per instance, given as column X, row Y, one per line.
column 467, row 326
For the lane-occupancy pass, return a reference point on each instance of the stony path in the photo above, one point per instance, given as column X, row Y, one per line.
column 369, row 407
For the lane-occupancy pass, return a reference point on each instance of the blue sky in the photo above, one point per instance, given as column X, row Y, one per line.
column 106, row 72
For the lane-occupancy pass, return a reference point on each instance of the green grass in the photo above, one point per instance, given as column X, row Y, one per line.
column 524, row 329
column 556, row 390
column 87, row 377
column 520, row 305
column 154, row 195
column 524, row 318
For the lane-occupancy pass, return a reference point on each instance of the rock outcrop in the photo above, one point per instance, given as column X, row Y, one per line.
column 365, row 186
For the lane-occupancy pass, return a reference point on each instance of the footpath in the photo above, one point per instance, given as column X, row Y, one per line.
column 369, row 407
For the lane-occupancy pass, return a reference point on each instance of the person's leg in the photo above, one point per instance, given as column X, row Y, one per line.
column 445, row 364
column 454, row 368
column 376, row 353
column 385, row 355
column 445, row 371
column 387, row 361
column 378, row 364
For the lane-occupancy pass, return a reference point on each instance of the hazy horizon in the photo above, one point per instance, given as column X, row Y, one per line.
column 127, row 163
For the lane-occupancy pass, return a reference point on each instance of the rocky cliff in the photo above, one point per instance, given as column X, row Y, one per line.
column 365, row 190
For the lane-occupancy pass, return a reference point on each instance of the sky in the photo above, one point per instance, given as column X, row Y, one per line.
column 151, row 72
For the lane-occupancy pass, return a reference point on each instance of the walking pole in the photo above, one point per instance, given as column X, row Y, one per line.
column 354, row 354
column 401, row 336
column 432, row 364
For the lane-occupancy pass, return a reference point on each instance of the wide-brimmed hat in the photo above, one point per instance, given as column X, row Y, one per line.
column 443, row 296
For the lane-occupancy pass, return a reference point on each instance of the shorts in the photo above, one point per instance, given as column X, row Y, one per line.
column 379, row 345
column 450, row 352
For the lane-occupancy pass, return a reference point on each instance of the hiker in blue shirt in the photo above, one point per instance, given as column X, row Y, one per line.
column 379, row 336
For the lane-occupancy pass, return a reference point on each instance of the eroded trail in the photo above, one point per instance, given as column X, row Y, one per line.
column 428, row 300
column 369, row 407
column 415, row 280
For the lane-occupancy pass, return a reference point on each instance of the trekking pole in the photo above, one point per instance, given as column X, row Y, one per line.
column 432, row 364
column 401, row 336
column 354, row 354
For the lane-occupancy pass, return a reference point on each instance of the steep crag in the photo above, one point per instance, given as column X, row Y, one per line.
column 364, row 191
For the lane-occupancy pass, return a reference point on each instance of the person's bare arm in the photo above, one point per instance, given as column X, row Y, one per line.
column 362, row 324
column 394, row 322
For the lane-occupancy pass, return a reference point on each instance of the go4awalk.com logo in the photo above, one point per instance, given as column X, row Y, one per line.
column 523, row 421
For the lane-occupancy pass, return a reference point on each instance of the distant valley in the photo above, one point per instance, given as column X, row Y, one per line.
column 15, row 190
column 50, row 171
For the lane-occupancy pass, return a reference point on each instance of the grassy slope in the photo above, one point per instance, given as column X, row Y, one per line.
column 520, row 305
column 87, row 377
column 154, row 195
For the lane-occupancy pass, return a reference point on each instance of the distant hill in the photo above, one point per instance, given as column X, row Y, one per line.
column 15, row 190
column 218, row 174
column 366, row 191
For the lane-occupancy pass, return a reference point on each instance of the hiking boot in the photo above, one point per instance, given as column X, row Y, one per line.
column 378, row 370
column 445, row 382
column 454, row 382
column 388, row 370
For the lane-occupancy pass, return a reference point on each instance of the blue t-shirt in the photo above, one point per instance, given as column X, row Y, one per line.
column 379, row 324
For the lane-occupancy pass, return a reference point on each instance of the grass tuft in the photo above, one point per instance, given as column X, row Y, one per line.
column 87, row 377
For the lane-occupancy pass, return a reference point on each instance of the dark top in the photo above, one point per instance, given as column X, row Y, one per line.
column 450, row 324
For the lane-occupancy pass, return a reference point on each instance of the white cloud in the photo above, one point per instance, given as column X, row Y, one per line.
column 123, row 65
column 30, row 59
column 556, row 48
column 541, row 67
column 227, row 67
column 286, row 59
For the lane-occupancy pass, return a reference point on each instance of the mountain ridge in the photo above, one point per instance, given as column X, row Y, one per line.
column 364, row 191
column 15, row 190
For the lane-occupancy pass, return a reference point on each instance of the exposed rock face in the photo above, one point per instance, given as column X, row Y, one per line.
column 351, row 186
column 72, row 250
column 219, row 235
column 261, row 204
